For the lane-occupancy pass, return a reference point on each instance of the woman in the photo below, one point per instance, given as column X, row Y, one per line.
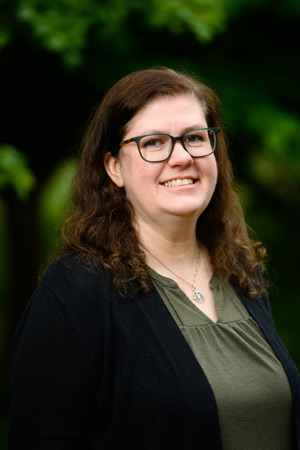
column 153, row 330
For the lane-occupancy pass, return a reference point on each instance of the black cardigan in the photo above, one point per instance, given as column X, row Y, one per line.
column 92, row 370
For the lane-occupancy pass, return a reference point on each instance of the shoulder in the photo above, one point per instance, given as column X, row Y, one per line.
column 72, row 299
column 258, row 306
column 70, row 277
column 73, row 270
column 74, row 289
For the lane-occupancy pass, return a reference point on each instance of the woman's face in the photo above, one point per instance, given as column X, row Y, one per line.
column 147, row 184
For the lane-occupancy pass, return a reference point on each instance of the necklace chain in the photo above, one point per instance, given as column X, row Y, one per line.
column 197, row 295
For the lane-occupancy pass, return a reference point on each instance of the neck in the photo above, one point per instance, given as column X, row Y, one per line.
column 182, row 243
column 177, row 251
column 169, row 229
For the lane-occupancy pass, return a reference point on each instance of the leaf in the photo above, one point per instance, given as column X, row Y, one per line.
column 14, row 171
column 53, row 201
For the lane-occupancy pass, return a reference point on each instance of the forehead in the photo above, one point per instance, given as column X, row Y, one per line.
column 164, row 114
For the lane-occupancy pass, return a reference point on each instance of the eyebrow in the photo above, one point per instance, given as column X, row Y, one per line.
column 185, row 130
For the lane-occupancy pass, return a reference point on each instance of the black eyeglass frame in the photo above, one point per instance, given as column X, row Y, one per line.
column 137, row 140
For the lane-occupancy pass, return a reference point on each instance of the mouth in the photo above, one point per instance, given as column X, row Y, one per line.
column 179, row 182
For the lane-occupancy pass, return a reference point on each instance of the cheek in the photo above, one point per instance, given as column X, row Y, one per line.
column 126, row 167
column 209, row 168
column 134, row 175
column 141, row 178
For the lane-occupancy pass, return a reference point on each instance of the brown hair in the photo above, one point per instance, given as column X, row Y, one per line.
column 100, row 227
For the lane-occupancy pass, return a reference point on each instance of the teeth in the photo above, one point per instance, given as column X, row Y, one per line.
column 178, row 182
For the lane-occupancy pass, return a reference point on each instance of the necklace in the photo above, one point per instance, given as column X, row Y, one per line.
column 197, row 295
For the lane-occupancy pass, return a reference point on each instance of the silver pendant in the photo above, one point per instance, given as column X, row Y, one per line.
column 197, row 296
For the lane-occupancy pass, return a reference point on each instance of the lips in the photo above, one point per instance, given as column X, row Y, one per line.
column 179, row 182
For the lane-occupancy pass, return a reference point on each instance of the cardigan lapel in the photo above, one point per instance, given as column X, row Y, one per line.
column 197, row 390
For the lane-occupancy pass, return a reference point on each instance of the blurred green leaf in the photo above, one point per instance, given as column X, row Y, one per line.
column 66, row 26
column 275, row 160
column 6, row 22
column 279, row 131
column 14, row 171
column 204, row 18
column 63, row 26
column 53, row 201
column 5, row 35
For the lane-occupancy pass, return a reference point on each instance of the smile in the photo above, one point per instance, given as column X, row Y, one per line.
column 179, row 182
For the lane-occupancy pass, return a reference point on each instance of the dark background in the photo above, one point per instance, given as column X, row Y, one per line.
column 58, row 58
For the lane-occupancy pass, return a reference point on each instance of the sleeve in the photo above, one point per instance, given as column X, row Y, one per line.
column 55, row 368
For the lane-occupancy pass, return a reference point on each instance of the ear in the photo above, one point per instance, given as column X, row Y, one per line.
column 113, row 169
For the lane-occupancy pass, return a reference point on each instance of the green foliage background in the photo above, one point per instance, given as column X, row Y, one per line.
column 57, row 59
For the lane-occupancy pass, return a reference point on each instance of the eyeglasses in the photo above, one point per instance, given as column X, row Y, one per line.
column 159, row 147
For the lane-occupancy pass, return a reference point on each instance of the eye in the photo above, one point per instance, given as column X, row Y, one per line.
column 196, row 138
column 153, row 142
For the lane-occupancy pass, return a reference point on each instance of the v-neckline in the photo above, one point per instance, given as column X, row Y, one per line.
column 169, row 282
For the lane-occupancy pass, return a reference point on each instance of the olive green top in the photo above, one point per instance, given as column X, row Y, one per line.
column 249, row 383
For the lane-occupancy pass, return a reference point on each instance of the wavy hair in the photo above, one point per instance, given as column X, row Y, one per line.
column 100, row 224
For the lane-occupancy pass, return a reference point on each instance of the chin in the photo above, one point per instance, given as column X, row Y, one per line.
column 187, row 212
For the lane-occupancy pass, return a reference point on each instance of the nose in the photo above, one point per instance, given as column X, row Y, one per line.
column 179, row 155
